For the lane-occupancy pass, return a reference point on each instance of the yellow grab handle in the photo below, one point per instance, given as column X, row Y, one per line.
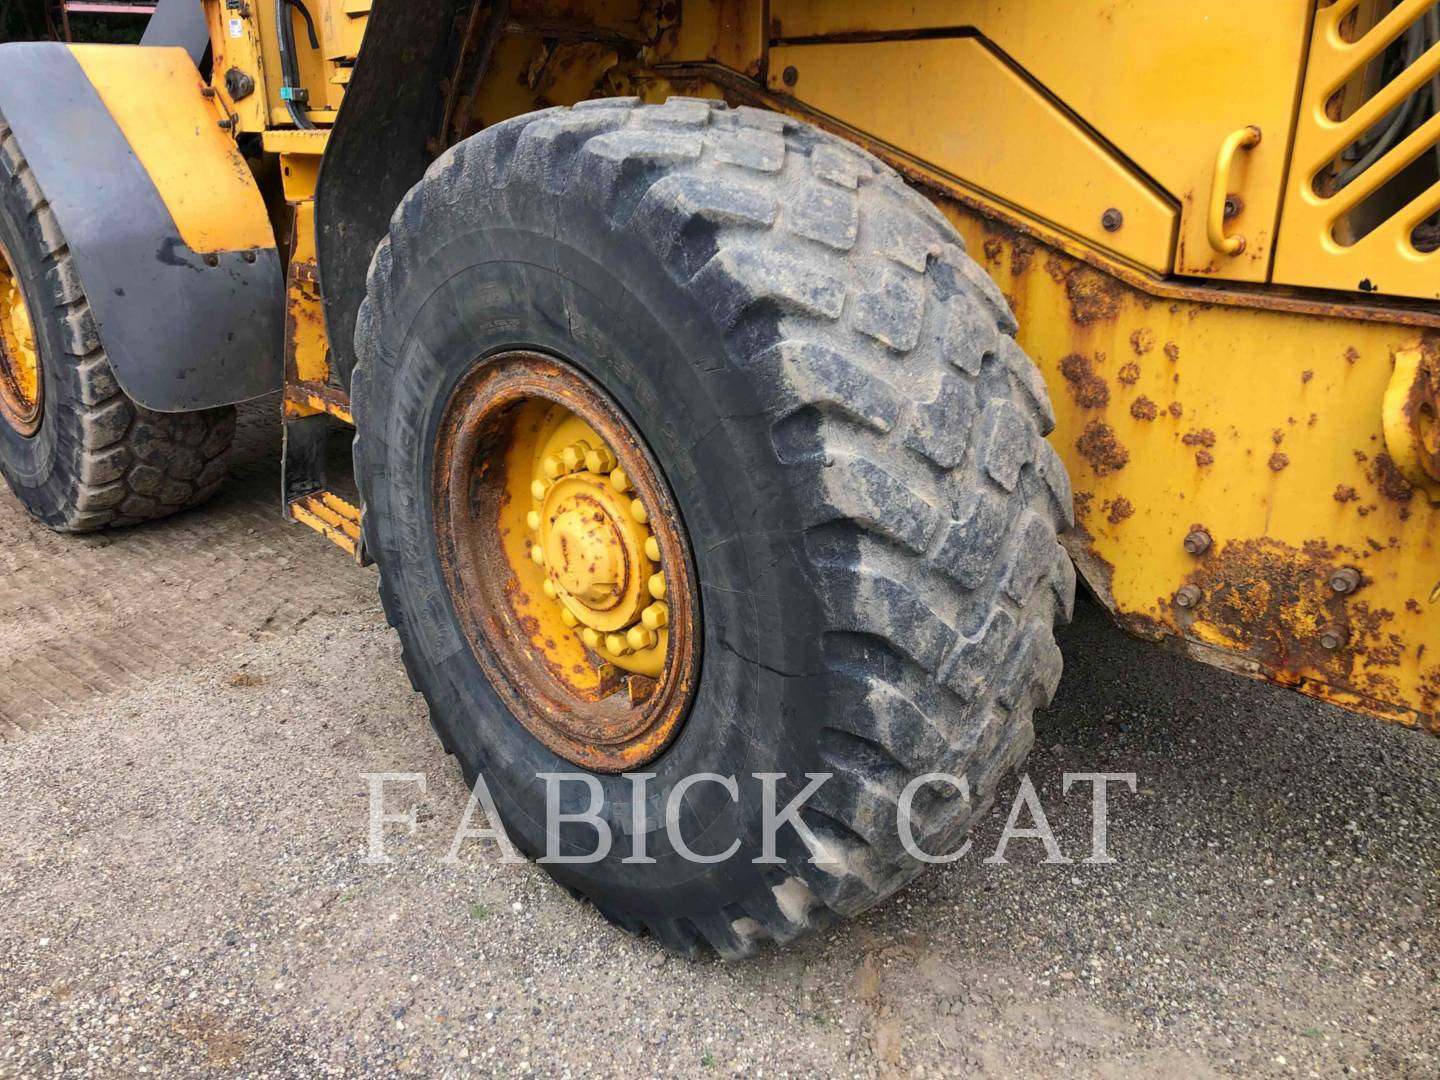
column 1243, row 139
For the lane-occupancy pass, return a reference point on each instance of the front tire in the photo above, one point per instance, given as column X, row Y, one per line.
column 78, row 453
column 855, row 445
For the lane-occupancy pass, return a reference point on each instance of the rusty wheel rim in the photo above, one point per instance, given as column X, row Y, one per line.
column 21, row 387
column 566, row 560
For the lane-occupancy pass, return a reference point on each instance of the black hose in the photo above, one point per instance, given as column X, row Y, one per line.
column 289, row 67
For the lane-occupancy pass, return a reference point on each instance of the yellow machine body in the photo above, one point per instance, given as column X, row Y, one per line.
column 1243, row 352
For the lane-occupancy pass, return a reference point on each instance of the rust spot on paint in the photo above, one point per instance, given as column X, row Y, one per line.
column 1120, row 509
column 1176, row 409
column 1172, row 351
column 994, row 248
column 1344, row 493
column 1273, row 602
column 1389, row 480
column 1306, row 375
column 1088, row 389
column 1094, row 297
column 1142, row 408
column 1352, row 354
column 1203, row 437
column 1129, row 374
column 1142, row 340
column 1204, row 457
column 1098, row 445
column 1279, row 462
column 1082, row 503
column 1022, row 251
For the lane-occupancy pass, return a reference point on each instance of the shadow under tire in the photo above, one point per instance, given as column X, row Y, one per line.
column 94, row 459
column 854, row 441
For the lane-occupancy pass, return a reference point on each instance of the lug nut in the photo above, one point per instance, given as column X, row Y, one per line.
column 1345, row 580
column 1334, row 637
column 537, row 555
column 600, row 461
column 591, row 637
column 657, row 586
column 615, row 643
column 1197, row 542
column 538, row 488
column 652, row 549
column 568, row 618
column 655, row 616
column 532, row 519
column 619, row 480
column 638, row 512
column 640, row 637
column 549, row 589
column 554, row 467
column 574, row 456
column 1187, row 596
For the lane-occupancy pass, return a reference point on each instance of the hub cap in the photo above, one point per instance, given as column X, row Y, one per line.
column 20, row 386
column 567, row 561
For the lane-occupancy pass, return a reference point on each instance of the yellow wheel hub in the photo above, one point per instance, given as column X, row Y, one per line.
column 567, row 561
column 590, row 533
column 20, row 385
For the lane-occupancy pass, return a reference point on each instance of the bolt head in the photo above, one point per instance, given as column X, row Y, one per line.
column 1187, row 596
column 1334, row 637
column 1345, row 580
column 1112, row 220
column 1197, row 542
column 790, row 76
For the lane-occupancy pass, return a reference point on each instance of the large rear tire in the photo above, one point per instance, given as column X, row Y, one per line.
column 855, row 445
column 77, row 452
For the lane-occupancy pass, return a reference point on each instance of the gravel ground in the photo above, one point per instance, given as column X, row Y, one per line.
column 183, row 888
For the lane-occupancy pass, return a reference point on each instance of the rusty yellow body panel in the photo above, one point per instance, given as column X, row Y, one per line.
column 156, row 98
column 1102, row 199
column 1163, row 82
column 1361, row 235
column 1262, row 431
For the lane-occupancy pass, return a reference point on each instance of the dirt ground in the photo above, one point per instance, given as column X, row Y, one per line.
column 186, row 711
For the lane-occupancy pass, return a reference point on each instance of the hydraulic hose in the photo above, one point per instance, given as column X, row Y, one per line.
column 293, row 94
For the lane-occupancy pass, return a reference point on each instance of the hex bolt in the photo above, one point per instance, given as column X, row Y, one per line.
column 1187, row 596
column 1345, row 580
column 1197, row 542
column 790, row 76
column 1334, row 637
column 1112, row 219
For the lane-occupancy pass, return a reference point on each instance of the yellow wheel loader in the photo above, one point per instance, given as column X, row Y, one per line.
column 738, row 386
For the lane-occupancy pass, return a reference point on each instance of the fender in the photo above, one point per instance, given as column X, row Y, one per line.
column 164, row 219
